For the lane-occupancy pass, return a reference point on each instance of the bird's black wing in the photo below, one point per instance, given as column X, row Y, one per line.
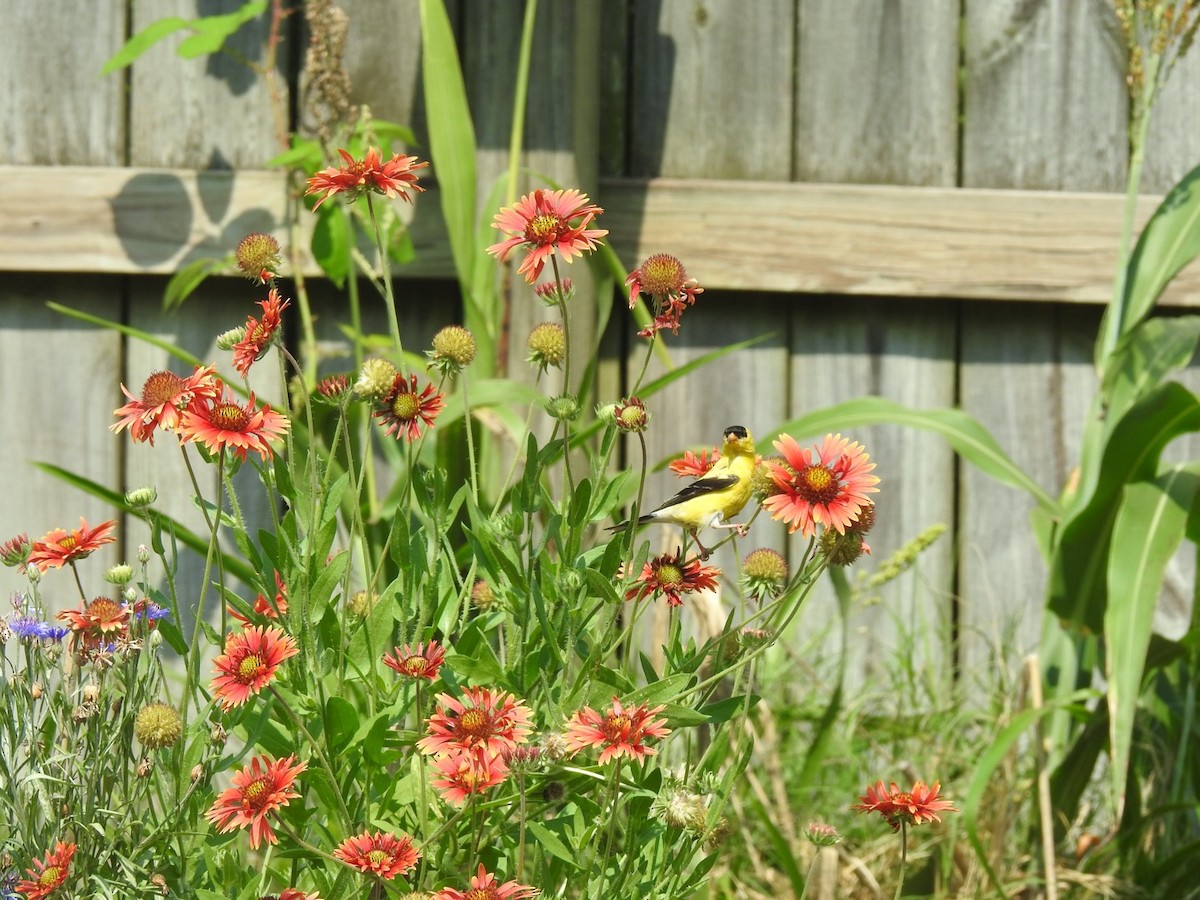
column 697, row 488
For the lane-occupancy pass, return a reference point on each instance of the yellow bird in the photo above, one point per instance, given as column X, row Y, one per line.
column 716, row 497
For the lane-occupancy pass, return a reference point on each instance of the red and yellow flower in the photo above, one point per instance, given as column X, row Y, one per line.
column 421, row 661
column 466, row 772
column 914, row 807
column 546, row 222
column 382, row 854
column 485, row 886
column 225, row 423
column 59, row 547
column 407, row 406
column 620, row 731
column 480, row 719
column 672, row 577
column 249, row 663
column 50, row 873
column 258, row 790
column 263, row 607
column 165, row 397
column 692, row 466
column 394, row 178
column 259, row 333
column 827, row 485
column 97, row 622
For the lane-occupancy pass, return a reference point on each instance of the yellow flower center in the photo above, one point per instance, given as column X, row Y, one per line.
column 256, row 791
column 482, row 894
column 248, row 667
column 542, row 229
column 70, row 542
column 104, row 611
column 50, row 876
column 378, row 857
column 817, row 484
column 616, row 727
column 416, row 665
column 406, row 406
column 229, row 417
column 662, row 274
column 160, row 388
column 475, row 723
column 669, row 574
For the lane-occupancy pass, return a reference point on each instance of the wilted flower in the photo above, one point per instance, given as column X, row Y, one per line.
column 552, row 292
column 259, row 333
column 670, row 576
column 14, row 552
column 420, row 662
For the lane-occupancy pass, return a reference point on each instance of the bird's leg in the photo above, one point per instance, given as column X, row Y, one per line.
column 741, row 528
column 705, row 553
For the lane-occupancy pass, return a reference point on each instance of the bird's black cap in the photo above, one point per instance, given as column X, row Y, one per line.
column 737, row 431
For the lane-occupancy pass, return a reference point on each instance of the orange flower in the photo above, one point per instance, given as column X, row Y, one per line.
column 621, row 732
column 541, row 223
column 483, row 720
column 466, row 772
column 393, row 178
column 59, row 547
column 100, row 621
column 293, row 894
column 692, row 466
column 263, row 607
column 914, row 807
column 405, row 407
column 50, row 874
column 670, row 576
column 249, row 663
column 423, row 661
column 165, row 397
column 382, row 854
column 484, row 886
column 664, row 280
column 227, row 423
column 830, row 489
column 258, row 790
column 259, row 334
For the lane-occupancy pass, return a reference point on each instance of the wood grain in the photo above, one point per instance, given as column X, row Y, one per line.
column 869, row 106
column 796, row 238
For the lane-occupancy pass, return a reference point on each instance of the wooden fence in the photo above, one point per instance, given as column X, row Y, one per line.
column 916, row 199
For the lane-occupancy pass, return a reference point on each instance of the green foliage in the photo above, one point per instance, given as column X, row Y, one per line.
column 208, row 35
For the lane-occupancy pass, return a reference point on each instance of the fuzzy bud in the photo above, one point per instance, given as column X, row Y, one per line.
column 258, row 257
column 547, row 346
column 361, row 603
column 482, row 595
column 122, row 574
column 842, row 549
column 762, row 485
column 140, row 498
column 453, row 349
column 375, row 380
column 157, row 726
column 554, row 792
column 764, row 573
column 333, row 388
column 15, row 551
column 227, row 340
column 564, row 407
column 550, row 292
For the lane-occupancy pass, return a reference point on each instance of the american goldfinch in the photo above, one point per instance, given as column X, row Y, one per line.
column 711, row 500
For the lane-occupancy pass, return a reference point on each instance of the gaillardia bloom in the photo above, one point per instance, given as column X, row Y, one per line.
column 225, row 423
column 914, row 807
column 692, row 466
column 165, row 397
column 259, row 334
column 620, row 731
column 480, row 719
column 406, row 406
column 393, row 178
column 50, row 873
column 827, row 485
column 59, row 547
column 485, row 886
column 670, row 576
column 422, row 661
column 544, row 222
column 663, row 279
column 466, row 772
column 258, row 790
column 263, row 607
column 249, row 663
column 382, row 854
column 99, row 621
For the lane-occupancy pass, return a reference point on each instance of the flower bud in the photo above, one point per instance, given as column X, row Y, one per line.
column 143, row 554
column 361, row 603
column 482, row 595
column 564, row 407
column 197, row 772
column 333, row 388
column 140, row 498
column 122, row 574
column 36, row 690
column 227, row 340
column 821, row 834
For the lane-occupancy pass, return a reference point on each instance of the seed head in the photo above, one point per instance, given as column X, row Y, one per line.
column 631, row 416
column 375, row 380
column 157, row 726
column 842, row 549
column 547, row 346
column 258, row 257
column 482, row 595
column 453, row 349
column 361, row 603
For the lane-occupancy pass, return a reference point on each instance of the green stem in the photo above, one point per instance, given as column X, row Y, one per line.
column 385, row 264
column 903, row 858
column 520, row 96
column 322, row 759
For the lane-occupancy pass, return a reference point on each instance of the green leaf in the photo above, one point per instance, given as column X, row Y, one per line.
column 332, row 238
column 129, row 331
column 1145, row 356
column 552, row 843
column 341, row 724
column 189, row 277
column 1170, row 240
column 451, row 133
column 143, row 41
column 211, row 32
column 968, row 438
column 1078, row 588
column 1149, row 527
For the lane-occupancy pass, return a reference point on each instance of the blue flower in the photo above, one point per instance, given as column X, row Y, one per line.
column 30, row 628
column 8, row 884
